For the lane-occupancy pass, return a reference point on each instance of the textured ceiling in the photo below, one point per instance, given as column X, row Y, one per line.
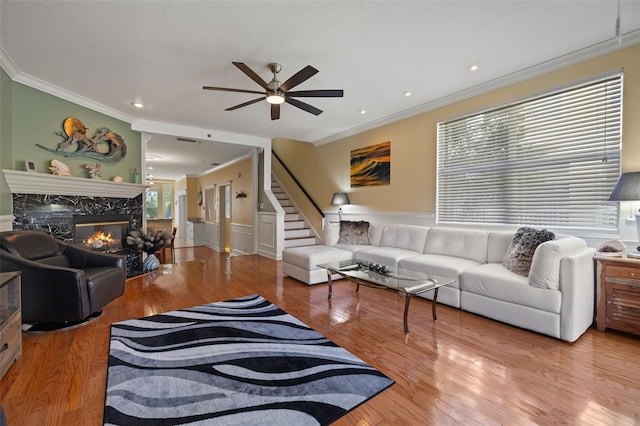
column 108, row 54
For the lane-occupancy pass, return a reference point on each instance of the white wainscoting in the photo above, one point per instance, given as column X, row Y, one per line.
column 241, row 239
column 211, row 235
column 424, row 219
column 6, row 222
column 270, row 243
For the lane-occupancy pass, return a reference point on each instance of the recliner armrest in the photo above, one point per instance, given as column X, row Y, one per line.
column 83, row 258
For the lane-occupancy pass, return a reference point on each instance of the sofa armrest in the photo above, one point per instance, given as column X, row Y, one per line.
column 82, row 258
column 578, row 294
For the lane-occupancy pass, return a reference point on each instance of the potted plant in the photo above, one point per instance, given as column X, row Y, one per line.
column 150, row 241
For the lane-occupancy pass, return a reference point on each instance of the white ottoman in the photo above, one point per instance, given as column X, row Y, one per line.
column 300, row 262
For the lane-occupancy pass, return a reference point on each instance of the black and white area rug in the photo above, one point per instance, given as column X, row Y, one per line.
column 243, row 361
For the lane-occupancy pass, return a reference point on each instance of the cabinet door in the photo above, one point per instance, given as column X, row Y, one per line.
column 623, row 307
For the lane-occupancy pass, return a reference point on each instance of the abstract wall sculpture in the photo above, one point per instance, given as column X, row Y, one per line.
column 105, row 145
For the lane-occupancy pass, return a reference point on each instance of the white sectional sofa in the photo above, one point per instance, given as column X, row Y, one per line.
column 556, row 298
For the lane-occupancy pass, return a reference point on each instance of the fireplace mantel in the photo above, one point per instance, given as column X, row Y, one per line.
column 21, row 182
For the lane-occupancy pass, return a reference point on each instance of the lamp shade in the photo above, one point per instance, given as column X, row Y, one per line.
column 627, row 188
column 340, row 199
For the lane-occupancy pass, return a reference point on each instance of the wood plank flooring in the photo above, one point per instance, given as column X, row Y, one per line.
column 460, row 369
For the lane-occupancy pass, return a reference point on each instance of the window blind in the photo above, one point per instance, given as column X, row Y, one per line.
column 551, row 161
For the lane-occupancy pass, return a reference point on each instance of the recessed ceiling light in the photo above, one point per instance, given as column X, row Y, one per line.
column 137, row 104
column 407, row 93
column 363, row 111
column 473, row 67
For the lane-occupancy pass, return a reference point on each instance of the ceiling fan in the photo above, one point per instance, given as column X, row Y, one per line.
column 276, row 93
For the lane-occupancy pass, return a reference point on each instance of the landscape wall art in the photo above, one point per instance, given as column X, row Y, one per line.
column 371, row 166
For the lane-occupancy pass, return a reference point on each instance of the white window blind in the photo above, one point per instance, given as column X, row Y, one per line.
column 551, row 161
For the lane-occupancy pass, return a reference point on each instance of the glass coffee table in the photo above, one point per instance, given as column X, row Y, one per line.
column 407, row 283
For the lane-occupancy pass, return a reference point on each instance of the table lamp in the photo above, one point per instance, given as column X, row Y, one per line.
column 340, row 199
column 628, row 189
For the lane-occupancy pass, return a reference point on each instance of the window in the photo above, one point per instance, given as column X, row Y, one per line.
column 167, row 200
column 152, row 204
column 550, row 161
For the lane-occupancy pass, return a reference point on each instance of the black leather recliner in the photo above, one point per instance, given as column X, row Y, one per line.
column 61, row 283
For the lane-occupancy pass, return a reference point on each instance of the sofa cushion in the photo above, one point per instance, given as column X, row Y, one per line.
column 437, row 264
column 496, row 282
column 523, row 246
column 498, row 244
column 409, row 237
column 466, row 243
column 308, row 257
column 545, row 265
column 354, row 232
column 388, row 256
column 331, row 233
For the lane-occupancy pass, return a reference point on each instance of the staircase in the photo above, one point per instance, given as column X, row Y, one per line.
column 297, row 231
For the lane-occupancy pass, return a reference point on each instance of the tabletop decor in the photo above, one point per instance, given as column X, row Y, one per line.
column 150, row 241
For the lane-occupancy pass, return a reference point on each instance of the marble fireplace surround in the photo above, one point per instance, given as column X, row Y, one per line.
column 49, row 203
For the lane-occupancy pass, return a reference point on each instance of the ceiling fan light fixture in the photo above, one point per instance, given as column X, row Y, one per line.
column 275, row 98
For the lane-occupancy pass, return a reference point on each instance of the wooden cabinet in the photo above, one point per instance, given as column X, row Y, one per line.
column 10, row 320
column 618, row 294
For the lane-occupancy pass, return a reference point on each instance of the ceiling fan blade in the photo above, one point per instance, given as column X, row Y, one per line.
column 275, row 111
column 227, row 89
column 252, row 75
column 299, row 77
column 246, row 104
column 317, row 93
column 303, row 106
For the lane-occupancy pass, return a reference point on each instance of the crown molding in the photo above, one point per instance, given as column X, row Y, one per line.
column 28, row 80
column 608, row 46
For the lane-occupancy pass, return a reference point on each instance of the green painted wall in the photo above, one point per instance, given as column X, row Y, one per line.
column 37, row 116
column 5, row 140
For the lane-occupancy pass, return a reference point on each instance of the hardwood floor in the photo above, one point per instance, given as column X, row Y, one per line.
column 460, row 369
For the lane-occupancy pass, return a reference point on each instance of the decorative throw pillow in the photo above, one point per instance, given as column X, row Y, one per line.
column 522, row 247
column 354, row 232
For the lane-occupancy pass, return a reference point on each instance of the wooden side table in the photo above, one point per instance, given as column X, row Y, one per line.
column 10, row 320
column 618, row 293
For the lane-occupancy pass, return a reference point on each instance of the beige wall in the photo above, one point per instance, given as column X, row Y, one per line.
column 240, row 176
column 324, row 170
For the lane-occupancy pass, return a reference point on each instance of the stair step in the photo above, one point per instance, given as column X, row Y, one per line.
column 289, row 209
column 290, row 217
column 297, row 233
column 293, row 224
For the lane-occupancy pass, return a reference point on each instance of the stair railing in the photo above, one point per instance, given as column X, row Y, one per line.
column 304, row 191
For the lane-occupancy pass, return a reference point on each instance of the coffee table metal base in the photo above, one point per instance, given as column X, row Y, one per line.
column 407, row 296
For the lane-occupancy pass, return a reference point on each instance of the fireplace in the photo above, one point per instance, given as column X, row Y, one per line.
column 54, row 214
column 106, row 233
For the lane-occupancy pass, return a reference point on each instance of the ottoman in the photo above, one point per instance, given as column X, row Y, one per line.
column 300, row 262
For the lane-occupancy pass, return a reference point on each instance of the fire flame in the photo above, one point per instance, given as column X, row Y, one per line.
column 99, row 239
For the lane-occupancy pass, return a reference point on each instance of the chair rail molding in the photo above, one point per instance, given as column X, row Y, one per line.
column 21, row 182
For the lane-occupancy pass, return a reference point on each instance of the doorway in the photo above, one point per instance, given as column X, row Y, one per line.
column 182, row 216
column 225, row 218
